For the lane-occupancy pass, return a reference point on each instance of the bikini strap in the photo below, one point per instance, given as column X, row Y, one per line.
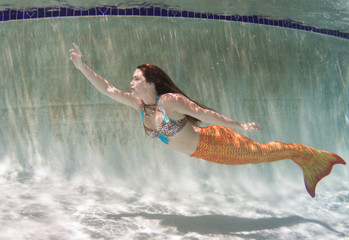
column 166, row 118
column 143, row 115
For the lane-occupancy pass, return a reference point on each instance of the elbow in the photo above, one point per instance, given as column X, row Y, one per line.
column 102, row 90
column 105, row 92
column 109, row 91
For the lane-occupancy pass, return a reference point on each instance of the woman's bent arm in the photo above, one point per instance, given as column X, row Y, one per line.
column 181, row 104
column 100, row 83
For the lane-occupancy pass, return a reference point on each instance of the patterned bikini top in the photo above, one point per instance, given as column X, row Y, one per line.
column 168, row 127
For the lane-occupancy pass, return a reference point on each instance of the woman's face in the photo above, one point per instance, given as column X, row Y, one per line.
column 139, row 85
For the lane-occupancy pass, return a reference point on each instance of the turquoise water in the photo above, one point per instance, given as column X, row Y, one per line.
column 76, row 165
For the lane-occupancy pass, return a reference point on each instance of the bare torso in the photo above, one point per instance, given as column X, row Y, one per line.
column 185, row 141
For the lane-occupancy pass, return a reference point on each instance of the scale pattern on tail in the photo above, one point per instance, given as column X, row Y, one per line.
column 222, row 145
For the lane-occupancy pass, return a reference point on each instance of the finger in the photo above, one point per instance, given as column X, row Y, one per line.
column 258, row 127
column 76, row 47
column 72, row 56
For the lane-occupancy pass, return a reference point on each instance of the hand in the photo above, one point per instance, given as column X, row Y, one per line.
column 251, row 127
column 75, row 56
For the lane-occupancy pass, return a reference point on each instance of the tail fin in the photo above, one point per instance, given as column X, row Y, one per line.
column 318, row 167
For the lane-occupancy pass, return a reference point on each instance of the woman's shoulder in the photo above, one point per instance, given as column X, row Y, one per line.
column 173, row 101
column 171, row 97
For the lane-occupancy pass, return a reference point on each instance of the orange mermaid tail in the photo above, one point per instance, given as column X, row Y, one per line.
column 224, row 146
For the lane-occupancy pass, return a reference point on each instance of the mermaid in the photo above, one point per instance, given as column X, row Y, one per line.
column 172, row 117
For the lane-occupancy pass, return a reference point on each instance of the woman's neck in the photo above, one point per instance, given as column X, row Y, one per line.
column 150, row 99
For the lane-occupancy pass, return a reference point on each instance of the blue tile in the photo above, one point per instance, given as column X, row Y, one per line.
column 157, row 11
column 31, row 13
column 164, row 12
column 122, row 12
column 114, row 11
column 103, row 11
column 63, row 12
column 129, row 12
column 70, row 12
column 5, row 15
column 136, row 11
column 14, row 14
column 150, row 11
column 90, row 12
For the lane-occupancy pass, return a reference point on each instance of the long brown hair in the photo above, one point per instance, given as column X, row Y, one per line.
column 164, row 84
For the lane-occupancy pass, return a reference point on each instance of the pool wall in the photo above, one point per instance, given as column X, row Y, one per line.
column 52, row 12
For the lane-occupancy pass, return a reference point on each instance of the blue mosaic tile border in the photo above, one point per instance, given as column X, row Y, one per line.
column 35, row 13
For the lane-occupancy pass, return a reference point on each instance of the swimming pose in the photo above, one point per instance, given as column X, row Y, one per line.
column 172, row 117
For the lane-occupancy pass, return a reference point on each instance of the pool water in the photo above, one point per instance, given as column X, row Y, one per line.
column 76, row 165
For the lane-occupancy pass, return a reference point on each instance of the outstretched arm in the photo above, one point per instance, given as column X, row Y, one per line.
column 181, row 104
column 100, row 83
